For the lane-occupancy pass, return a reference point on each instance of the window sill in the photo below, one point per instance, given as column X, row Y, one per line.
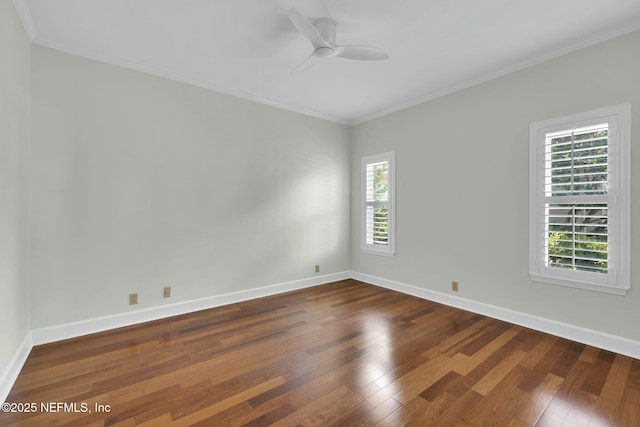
column 607, row 289
column 377, row 252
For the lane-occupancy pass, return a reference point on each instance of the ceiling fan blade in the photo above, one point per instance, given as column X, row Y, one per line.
column 361, row 53
column 305, row 65
column 306, row 28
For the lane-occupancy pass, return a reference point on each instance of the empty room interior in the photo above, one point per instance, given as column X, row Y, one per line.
column 319, row 213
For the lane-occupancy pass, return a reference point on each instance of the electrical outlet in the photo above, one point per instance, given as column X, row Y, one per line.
column 317, row 268
column 133, row 299
column 166, row 293
column 454, row 286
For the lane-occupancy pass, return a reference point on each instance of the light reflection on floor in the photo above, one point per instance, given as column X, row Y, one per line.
column 560, row 413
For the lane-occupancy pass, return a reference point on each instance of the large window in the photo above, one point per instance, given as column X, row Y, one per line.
column 378, row 232
column 580, row 200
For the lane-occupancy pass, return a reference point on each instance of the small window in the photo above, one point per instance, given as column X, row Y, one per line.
column 378, row 176
column 579, row 231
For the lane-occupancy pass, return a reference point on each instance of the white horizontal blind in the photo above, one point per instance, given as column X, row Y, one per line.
column 377, row 203
column 576, row 203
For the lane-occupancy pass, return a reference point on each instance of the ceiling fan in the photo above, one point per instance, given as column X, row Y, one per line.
column 322, row 35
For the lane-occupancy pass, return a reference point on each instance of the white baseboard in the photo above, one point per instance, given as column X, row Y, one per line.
column 579, row 334
column 100, row 324
column 15, row 366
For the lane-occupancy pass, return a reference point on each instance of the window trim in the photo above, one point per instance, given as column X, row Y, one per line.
column 389, row 249
column 618, row 280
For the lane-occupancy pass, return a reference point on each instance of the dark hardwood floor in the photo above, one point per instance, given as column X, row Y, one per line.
column 345, row 353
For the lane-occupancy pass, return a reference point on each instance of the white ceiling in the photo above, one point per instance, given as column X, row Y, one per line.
column 248, row 48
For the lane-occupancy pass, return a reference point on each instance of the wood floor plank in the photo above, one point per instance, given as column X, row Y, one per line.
column 494, row 401
column 497, row 374
column 539, row 399
column 415, row 412
column 599, row 371
column 207, row 412
column 630, row 408
column 607, row 405
column 634, row 375
column 325, row 411
column 484, row 354
column 372, row 418
column 539, row 351
column 346, row 353
column 507, row 412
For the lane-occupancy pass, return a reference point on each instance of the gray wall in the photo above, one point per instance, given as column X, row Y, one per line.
column 14, row 141
column 463, row 186
column 140, row 182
